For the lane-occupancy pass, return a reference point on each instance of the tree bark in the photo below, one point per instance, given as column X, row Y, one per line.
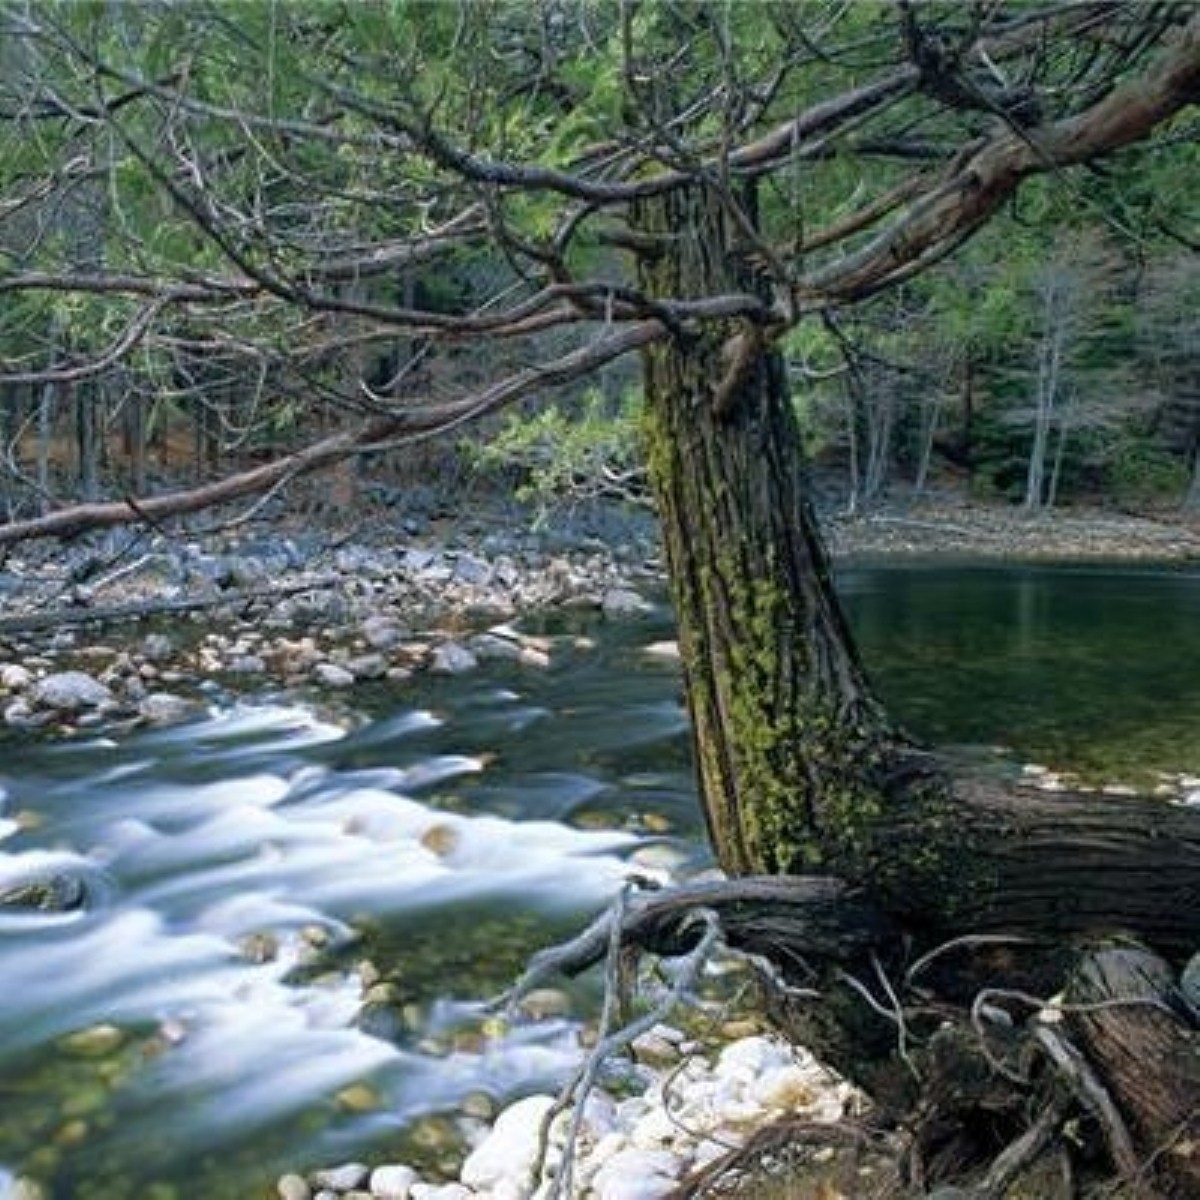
column 1139, row 1033
column 801, row 771
column 787, row 732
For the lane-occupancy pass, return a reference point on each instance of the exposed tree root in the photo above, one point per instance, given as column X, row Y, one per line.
column 981, row 1086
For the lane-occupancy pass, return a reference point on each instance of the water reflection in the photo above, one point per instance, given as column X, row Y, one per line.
column 1078, row 667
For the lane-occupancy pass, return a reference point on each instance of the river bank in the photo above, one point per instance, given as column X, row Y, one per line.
column 324, row 615
column 137, row 627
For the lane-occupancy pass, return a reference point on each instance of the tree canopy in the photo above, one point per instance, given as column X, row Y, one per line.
column 404, row 216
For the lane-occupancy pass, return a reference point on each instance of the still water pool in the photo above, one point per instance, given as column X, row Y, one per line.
column 237, row 872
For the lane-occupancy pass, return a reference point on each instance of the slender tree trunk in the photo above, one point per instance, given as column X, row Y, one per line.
column 88, row 437
column 1049, row 384
column 931, row 419
column 967, row 426
column 45, row 436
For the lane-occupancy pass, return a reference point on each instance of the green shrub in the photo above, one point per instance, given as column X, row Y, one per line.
column 580, row 451
column 1143, row 473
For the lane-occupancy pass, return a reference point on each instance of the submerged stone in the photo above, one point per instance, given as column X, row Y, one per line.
column 96, row 1041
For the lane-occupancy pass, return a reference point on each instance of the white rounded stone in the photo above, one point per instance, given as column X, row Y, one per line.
column 440, row 1191
column 14, row 677
column 634, row 1174
column 784, row 1088
column 392, row 1181
column 293, row 1187
column 751, row 1056
column 510, row 1148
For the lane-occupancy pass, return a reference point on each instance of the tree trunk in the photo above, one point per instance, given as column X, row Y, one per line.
column 788, row 735
column 87, row 400
column 800, row 770
column 799, row 767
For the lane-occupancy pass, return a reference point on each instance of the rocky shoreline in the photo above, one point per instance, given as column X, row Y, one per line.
column 335, row 610
column 74, row 651
column 692, row 1104
column 950, row 528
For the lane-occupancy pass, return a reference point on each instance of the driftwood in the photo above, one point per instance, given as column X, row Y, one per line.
column 135, row 610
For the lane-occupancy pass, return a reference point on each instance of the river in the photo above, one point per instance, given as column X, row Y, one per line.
column 244, row 877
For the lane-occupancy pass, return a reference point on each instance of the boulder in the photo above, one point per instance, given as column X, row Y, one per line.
column 70, row 691
column 624, row 602
column 452, row 658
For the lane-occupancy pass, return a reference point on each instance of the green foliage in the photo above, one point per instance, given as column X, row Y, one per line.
column 1143, row 474
column 588, row 449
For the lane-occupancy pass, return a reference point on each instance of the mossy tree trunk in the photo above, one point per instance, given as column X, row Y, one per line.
column 802, row 773
column 800, row 768
column 789, row 739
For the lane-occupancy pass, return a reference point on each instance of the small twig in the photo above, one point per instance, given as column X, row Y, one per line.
column 1021, row 1152
column 579, row 1088
column 902, row 1036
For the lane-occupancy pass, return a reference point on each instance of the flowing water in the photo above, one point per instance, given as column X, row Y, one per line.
column 227, row 877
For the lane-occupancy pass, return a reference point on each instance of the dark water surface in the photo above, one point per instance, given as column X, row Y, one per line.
column 443, row 830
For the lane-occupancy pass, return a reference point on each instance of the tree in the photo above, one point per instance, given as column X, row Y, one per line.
column 761, row 166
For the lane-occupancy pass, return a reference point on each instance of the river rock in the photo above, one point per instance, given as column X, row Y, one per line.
column 452, row 658
column 381, row 633
column 469, row 569
column 510, row 1148
column 54, row 893
column 157, row 647
column 623, row 602
column 633, row 1174
column 164, row 708
column 342, row 1178
column 745, row 1060
column 367, row 666
column 96, row 1041
column 14, row 677
column 542, row 1004
column 70, row 691
column 332, row 675
column 246, row 664
column 392, row 1181
column 496, row 647
column 293, row 1187
column 440, row 1191
column 20, row 714
column 785, row 1088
